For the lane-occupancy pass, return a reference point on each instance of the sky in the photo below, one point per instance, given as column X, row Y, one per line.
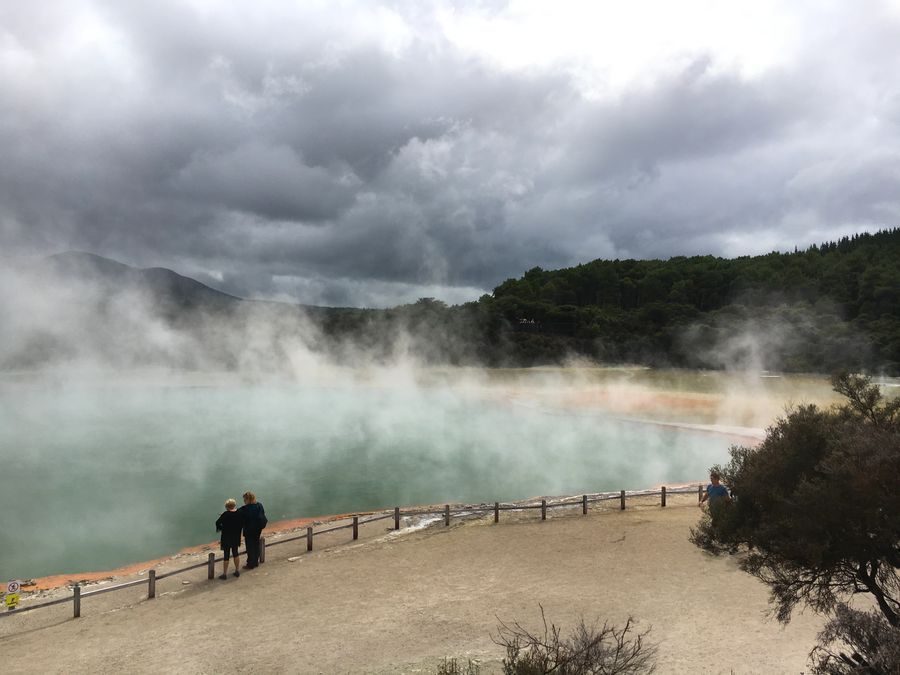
column 366, row 153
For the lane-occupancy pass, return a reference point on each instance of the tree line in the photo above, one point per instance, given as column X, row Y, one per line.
column 832, row 306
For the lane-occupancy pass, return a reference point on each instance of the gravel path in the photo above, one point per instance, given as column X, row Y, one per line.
column 400, row 602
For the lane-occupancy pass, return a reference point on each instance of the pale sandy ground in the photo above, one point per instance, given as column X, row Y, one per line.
column 400, row 602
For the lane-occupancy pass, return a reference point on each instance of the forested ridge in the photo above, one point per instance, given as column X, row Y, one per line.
column 835, row 306
column 831, row 306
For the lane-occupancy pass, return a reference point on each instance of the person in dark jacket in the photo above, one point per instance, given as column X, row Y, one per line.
column 230, row 524
column 254, row 516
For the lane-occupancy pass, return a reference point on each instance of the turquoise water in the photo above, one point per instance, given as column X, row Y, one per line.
column 101, row 475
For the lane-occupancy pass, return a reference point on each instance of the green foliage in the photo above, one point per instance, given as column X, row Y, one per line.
column 831, row 307
column 817, row 504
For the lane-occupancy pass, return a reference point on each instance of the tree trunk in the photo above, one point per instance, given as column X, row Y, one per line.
column 870, row 582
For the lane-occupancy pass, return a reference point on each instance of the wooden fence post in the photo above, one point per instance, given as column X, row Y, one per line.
column 496, row 512
column 355, row 528
column 396, row 517
column 584, row 505
column 211, row 565
column 151, row 584
column 76, row 600
column 622, row 500
column 699, row 493
column 262, row 550
column 446, row 515
column 662, row 496
column 543, row 509
column 309, row 539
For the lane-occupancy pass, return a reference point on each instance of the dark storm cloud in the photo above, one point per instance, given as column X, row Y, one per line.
column 271, row 182
column 313, row 153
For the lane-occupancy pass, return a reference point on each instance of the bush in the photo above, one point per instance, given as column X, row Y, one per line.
column 451, row 666
column 816, row 506
column 591, row 649
column 865, row 643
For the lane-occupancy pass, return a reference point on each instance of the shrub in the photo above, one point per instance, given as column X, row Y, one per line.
column 591, row 649
column 452, row 666
column 857, row 642
column 816, row 506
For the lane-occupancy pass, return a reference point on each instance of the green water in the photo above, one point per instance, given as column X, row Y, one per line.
column 99, row 475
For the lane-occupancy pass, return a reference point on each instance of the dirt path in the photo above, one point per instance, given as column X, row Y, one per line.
column 399, row 603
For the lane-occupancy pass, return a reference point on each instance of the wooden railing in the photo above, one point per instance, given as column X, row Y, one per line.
column 566, row 502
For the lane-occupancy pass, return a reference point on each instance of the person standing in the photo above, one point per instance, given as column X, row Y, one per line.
column 715, row 491
column 230, row 524
column 717, row 496
column 254, row 517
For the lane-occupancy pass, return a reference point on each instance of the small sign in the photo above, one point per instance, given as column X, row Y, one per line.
column 12, row 599
column 13, row 587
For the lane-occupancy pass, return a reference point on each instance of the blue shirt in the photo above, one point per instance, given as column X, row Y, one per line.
column 716, row 491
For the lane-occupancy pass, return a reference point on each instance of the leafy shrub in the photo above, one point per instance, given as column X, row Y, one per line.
column 816, row 507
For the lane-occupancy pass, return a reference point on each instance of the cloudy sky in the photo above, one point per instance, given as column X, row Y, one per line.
column 370, row 153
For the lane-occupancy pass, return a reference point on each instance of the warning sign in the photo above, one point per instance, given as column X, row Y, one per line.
column 12, row 599
column 13, row 587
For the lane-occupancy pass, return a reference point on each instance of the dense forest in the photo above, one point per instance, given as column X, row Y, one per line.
column 831, row 306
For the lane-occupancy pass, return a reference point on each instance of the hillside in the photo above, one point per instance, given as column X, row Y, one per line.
column 165, row 287
column 80, row 308
column 830, row 307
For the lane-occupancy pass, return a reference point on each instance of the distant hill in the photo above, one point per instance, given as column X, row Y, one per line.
column 81, row 308
column 166, row 287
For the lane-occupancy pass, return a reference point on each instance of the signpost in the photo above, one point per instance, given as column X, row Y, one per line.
column 12, row 595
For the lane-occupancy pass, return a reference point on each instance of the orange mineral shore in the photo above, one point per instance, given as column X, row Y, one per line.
column 58, row 580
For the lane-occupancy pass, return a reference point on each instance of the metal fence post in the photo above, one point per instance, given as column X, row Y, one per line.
column 211, row 566
column 446, row 515
column 584, row 505
column 496, row 512
column 543, row 509
column 151, row 584
column 309, row 539
column 355, row 528
column 262, row 549
column 396, row 517
column 662, row 496
column 76, row 600
column 622, row 500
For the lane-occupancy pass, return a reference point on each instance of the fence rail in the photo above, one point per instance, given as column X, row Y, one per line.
column 447, row 513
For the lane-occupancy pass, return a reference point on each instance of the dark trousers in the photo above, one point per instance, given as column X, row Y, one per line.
column 251, row 539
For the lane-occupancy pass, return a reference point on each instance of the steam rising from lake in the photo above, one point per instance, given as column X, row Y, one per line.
column 133, row 403
column 110, row 470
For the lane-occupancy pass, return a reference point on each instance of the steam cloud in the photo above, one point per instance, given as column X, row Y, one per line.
column 130, row 415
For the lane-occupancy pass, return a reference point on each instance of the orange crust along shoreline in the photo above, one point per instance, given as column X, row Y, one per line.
column 598, row 399
column 67, row 579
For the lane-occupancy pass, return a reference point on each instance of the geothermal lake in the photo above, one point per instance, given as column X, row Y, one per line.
column 104, row 470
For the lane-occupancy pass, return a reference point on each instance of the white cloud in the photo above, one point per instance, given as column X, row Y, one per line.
column 612, row 46
column 328, row 149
